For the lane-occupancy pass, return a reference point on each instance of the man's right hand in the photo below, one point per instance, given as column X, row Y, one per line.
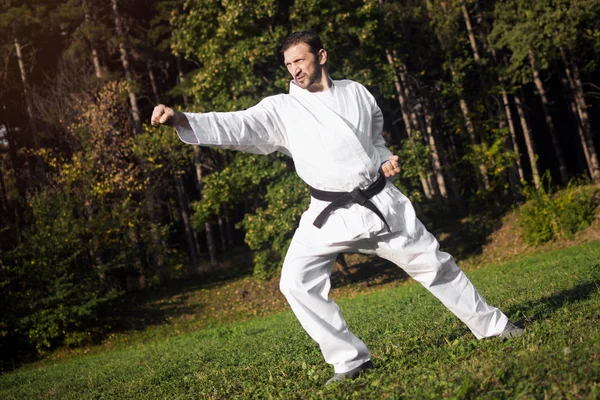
column 165, row 115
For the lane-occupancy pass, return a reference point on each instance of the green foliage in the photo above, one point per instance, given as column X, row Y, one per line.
column 542, row 27
column 546, row 216
column 242, row 180
column 269, row 230
column 87, row 230
column 414, row 155
column 257, row 180
column 52, row 290
column 495, row 159
column 236, row 44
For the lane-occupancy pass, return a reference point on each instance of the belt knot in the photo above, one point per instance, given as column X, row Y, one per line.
column 341, row 199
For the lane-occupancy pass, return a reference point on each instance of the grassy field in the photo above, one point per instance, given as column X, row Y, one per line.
column 420, row 350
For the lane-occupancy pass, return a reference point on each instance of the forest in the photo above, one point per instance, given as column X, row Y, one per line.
column 483, row 101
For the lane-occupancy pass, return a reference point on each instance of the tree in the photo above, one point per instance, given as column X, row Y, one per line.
column 124, row 54
column 535, row 32
column 446, row 20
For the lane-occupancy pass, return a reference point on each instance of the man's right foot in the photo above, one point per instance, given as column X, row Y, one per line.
column 510, row 331
column 352, row 374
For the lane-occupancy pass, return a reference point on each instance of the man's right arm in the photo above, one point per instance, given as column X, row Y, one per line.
column 257, row 129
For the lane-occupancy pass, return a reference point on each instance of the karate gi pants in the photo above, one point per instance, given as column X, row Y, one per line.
column 305, row 277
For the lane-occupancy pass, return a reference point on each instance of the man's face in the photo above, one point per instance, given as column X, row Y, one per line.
column 305, row 67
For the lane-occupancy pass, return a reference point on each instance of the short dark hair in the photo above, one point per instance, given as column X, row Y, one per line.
column 310, row 37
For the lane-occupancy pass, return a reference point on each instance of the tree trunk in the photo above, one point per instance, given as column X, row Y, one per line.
column 564, row 175
column 181, row 77
column 21, row 173
column 153, row 83
column 426, row 178
column 482, row 23
column 511, row 125
column 464, row 108
column 135, row 111
column 36, row 165
column 96, row 61
column 158, row 243
column 528, row 141
column 585, row 121
column 480, row 73
column 95, row 58
column 4, row 198
column 222, row 232
column 462, row 102
column 26, row 91
column 512, row 172
column 184, row 209
column 441, row 155
column 229, row 230
column 436, row 160
column 136, row 280
column 210, row 241
column 513, row 132
column 401, row 95
column 94, row 244
column 465, row 13
column 580, row 110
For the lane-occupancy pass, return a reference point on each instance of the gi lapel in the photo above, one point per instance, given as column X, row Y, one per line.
column 331, row 119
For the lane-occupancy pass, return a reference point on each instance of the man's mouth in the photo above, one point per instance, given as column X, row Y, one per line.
column 300, row 78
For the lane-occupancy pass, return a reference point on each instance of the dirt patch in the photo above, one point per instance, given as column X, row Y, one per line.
column 508, row 242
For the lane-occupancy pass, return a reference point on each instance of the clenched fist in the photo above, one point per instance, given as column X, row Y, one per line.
column 390, row 167
column 166, row 116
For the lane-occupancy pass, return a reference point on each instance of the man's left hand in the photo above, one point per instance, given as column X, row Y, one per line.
column 390, row 167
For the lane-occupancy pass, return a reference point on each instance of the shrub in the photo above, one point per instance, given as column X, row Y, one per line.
column 546, row 216
column 51, row 291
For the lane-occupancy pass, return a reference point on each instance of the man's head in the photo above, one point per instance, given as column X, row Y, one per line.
column 305, row 59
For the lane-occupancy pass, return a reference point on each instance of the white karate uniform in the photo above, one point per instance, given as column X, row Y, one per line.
column 334, row 138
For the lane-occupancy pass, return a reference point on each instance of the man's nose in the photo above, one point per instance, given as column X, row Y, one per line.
column 297, row 70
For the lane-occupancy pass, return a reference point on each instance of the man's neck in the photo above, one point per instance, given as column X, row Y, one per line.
column 323, row 85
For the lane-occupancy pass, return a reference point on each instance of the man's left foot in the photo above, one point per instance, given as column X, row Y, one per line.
column 352, row 374
column 510, row 331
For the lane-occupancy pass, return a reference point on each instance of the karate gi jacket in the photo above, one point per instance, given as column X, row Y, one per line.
column 334, row 138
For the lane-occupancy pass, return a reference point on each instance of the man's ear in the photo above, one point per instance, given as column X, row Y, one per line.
column 322, row 56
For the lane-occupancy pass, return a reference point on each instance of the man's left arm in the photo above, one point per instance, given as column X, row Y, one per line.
column 390, row 166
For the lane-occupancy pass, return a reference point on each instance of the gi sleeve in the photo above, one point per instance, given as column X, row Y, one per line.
column 376, row 129
column 257, row 130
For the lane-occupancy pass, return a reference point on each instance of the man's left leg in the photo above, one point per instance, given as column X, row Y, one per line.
column 416, row 251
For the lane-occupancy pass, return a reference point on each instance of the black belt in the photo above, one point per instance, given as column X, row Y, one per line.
column 341, row 199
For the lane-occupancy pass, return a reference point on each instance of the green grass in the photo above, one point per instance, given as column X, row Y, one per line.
column 419, row 348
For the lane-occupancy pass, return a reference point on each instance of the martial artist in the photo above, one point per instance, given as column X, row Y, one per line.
column 332, row 130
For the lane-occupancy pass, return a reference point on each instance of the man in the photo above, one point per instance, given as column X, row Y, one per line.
column 332, row 130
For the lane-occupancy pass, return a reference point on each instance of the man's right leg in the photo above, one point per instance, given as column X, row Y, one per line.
column 305, row 282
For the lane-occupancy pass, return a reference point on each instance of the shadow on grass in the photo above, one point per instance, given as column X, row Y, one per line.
column 157, row 305
column 374, row 271
column 466, row 238
column 461, row 237
column 543, row 308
